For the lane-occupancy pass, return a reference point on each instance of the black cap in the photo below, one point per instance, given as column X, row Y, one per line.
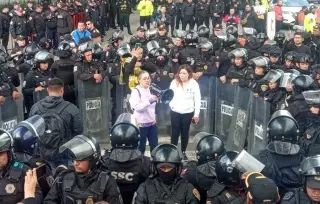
column 38, row 6
column 95, row 34
column 313, row 182
column 261, row 189
column 21, row 37
column 141, row 28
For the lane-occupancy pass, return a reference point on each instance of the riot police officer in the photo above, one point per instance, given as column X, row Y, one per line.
column 188, row 54
column 115, row 41
column 86, row 67
column 162, row 38
column 239, row 59
column 63, row 69
column 64, row 21
column 51, row 24
column 166, row 186
column 36, row 80
column 309, row 192
column 134, row 168
column 202, row 13
column 208, row 150
column 12, row 174
column 227, row 188
column 19, row 25
column 4, row 26
column 37, row 22
column 282, row 156
column 279, row 38
column 172, row 12
column 203, row 31
column 25, row 134
column 28, row 59
column 138, row 40
column 304, row 63
column 275, row 53
column 174, row 52
column 86, row 183
column 309, row 142
column 205, row 60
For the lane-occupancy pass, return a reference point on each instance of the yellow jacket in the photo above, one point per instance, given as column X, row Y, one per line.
column 148, row 8
column 309, row 22
column 265, row 5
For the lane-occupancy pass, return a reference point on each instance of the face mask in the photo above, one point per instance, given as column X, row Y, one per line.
column 167, row 177
column 161, row 62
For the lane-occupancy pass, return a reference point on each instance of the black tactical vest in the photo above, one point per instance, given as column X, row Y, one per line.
column 73, row 194
column 12, row 188
column 219, row 192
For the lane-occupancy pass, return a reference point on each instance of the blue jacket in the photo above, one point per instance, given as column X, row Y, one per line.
column 77, row 35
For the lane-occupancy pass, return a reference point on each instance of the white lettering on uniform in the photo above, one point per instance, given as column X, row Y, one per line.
column 128, row 176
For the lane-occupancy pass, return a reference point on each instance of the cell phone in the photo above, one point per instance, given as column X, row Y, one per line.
column 137, row 45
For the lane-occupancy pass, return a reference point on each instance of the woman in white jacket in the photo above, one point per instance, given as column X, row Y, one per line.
column 185, row 106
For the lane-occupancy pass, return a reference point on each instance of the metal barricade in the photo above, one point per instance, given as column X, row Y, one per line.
column 240, row 120
column 259, row 118
column 207, row 86
column 94, row 104
column 10, row 114
column 225, row 94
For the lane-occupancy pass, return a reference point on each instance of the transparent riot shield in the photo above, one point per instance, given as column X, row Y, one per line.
column 10, row 114
column 37, row 96
column 259, row 118
column 19, row 102
column 163, row 81
column 239, row 123
column 224, row 109
column 94, row 104
column 119, row 99
column 207, row 88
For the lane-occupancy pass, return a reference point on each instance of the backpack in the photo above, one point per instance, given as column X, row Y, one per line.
column 54, row 135
column 129, row 109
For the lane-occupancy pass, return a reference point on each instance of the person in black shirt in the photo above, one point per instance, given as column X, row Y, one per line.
column 298, row 45
column 4, row 26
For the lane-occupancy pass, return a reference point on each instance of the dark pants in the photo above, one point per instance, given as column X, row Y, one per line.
column 5, row 40
column 111, row 17
column 52, row 35
column 124, row 19
column 261, row 27
column 216, row 20
column 178, row 20
column 152, row 134
column 278, row 26
column 102, row 25
column 145, row 20
column 188, row 20
column 172, row 27
column 203, row 20
column 180, row 123
column 39, row 35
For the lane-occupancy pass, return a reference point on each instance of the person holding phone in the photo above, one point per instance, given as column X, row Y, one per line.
column 143, row 104
column 185, row 106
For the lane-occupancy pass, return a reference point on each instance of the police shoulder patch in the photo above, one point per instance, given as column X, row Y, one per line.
column 288, row 196
column 196, row 193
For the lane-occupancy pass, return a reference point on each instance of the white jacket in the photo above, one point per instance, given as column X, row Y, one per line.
column 186, row 99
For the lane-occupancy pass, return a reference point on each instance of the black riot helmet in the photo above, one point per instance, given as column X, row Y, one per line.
column 191, row 38
column 274, row 76
column 238, row 52
column 64, row 49
column 304, row 58
column 208, row 147
column 312, row 97
column 291, row 56
column 96, row 49
column 124, row 134
column 83, row 147
column 166, row 153
column 6, row 141
column 227, row 173
column 26, row 133
column 279, row 37
column 43, row 57
column 233, row 30
column 302, row 83
column 31, row 50
column 117, row 35
column 205, row 44
column 179, row 34
column 3, row 55
column 262, row 37
column 151, row 34
column 259, row 62
column 310, row 166
column 203, row 31
column 227, row 40
column 124, row 50
column 160, row 52
column 283, row 127
column 275, row 51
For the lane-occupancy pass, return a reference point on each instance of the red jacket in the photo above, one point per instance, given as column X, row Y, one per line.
column 278, row 11
column 234, row 20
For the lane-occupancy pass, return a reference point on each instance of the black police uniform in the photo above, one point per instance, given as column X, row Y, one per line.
column 218, row 8
column 51, row 27
column 4, row 28
column 64, row 23
column 124, row 7
column 202, row 13
column 296, row 196
column 188, row 13
column 179, row 17
column 37, row 21
column 92, row 13
column 19, row 26
column 135, row 39
column 86, row 70
column 172, row 12
column 164, row 41
column 204, row 63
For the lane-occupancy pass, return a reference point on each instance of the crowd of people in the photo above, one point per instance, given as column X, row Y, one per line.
column 70, row 167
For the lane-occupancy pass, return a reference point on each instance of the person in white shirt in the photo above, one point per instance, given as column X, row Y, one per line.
column 185, row 106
